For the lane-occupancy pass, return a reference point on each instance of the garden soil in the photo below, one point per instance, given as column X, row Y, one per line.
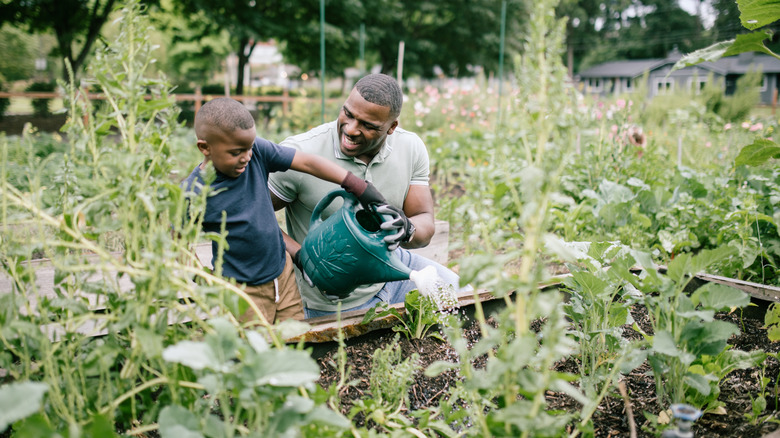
column 610, row 420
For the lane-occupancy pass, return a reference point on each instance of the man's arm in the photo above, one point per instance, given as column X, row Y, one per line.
column 418, row 207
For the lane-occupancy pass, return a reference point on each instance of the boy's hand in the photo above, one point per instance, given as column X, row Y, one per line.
column 366, row 193
column 399, row 223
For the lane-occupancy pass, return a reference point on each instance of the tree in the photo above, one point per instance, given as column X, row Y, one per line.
column 246, row 21
column 76, row 24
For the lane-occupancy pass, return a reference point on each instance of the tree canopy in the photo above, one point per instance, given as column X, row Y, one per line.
column 75, row 23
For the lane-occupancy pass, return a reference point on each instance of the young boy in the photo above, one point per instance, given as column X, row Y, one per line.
column 255, row 255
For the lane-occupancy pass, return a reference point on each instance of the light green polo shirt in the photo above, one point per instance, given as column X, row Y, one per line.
column 402, row 161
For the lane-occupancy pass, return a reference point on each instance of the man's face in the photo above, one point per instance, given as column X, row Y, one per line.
column 363, row 127
column 229, row 151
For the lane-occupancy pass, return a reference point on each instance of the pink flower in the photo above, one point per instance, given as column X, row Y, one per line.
column 746, row 125
column 756, row 127
column 621, row 103
column 727, row 126
column 452, row 126
column 708, row 144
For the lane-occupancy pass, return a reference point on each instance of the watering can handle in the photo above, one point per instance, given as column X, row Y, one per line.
column 316, row 214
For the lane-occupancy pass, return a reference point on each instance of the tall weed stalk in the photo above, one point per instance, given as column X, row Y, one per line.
column 507, row 206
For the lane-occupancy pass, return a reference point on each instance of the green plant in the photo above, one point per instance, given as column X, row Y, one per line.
column 688, row 351
column 598, row 307
column 117, row 233
column 420, row 317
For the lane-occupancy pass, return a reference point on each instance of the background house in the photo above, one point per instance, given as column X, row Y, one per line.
column 617, row 77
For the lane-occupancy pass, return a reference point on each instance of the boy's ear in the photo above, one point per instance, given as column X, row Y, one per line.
column 203, row 146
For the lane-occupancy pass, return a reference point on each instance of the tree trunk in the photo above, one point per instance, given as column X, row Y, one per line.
column 244, row 52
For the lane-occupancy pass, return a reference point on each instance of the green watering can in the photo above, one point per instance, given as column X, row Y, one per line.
column 346, row 250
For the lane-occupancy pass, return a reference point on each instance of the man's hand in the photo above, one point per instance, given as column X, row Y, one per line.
column 296, row 258
column 366, row 193
column 402, row 227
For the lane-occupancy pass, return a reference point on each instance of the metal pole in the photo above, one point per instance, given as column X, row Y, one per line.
column 322, row 56
column 400, row 77
column 362, row 48
column 501, row 60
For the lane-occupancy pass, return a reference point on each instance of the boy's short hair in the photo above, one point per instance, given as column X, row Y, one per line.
column 381, row 89
column 223, row 113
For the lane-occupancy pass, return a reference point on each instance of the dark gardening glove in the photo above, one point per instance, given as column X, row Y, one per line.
column 296, row 258
column 401, row 226
column 366, row 193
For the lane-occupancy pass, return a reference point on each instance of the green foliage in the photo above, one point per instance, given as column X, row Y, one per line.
column 420, row 317
column 17, row 62
column 688, row 352
column 41, row 106
column 598, row 307
column 117, row 234
column 4, row 102
column 391, row 375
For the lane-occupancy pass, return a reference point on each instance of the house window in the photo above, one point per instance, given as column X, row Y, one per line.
column 594, row 84
column 663, row 85
column 629, row 84
column 764, row 82
column 696, row 85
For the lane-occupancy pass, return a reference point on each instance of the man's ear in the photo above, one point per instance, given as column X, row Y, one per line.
column 392, row 127
column 203, row 146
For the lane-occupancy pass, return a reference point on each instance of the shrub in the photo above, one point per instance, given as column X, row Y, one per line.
column 41, row 106
column 4, row 102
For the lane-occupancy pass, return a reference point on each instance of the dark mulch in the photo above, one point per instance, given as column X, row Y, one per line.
column 13, row 124
column 610, row 420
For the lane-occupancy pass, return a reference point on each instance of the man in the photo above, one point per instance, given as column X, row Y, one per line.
column 365, row 140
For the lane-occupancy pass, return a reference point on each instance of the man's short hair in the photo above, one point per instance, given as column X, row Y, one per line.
column 225, row 114
column 381, row 89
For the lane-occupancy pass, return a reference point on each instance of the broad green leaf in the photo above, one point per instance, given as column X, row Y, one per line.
column 709, row 257
column 663, row 342
column 34, row 426
column 707, row 54
column 150, row 341
column 757, row 13
column 698, row 382
column 178, row 422
column 757, row 153
column 285, row 368
column 196, row 355
column 752, row 42
column 292, row 328
column 257, row 341
column 772, row 321
column 633, row 359
column 323, row 415
column 19, row 400
column 720, row 297
column 100, row 427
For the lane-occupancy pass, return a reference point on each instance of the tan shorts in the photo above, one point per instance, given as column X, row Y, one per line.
column 278, row 299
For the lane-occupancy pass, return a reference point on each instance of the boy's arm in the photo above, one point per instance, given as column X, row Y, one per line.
column 317, row 166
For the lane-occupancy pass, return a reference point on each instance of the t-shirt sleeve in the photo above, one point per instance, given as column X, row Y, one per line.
column 284, row 184
column 421, row 169
column 277, row 158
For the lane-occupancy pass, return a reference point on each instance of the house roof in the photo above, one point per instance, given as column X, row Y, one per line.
column 739, row 64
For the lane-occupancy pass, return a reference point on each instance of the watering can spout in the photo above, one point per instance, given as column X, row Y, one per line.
column 347, row 249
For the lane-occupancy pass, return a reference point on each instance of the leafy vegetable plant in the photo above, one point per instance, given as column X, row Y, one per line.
column 421, row 315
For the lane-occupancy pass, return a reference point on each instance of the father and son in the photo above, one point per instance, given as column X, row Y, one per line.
column 363, row 151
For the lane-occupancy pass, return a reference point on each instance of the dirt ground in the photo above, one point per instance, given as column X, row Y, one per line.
column 610, row 419
column 14, row 124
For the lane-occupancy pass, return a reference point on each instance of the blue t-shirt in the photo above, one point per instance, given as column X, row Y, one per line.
column 255, row 253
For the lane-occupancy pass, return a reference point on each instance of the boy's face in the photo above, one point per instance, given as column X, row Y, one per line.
column 229, row 151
